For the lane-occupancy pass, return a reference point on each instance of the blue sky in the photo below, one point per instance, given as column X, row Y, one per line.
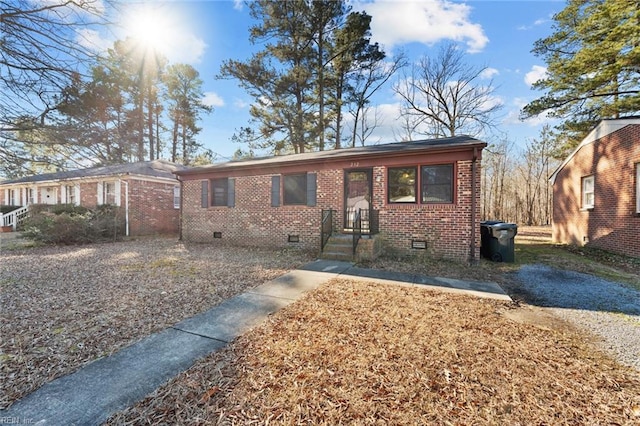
column 498, row 35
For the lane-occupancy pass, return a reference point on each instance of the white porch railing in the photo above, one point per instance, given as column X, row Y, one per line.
column 14, row 218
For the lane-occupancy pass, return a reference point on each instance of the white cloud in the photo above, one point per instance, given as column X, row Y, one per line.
column 185, row 48
column 537, row 73
column 426, row 22
column 536, row 23
column 91, row 39
column 240, row 103
column 513, row 115
column 489, row 73
column 163, row 27
column 212, row 99
column 238, row 4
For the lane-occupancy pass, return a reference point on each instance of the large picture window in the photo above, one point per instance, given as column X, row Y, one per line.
column 219, row 192
column 437, row 183
column 402, row 185
column 295, row 189
column 588, row 197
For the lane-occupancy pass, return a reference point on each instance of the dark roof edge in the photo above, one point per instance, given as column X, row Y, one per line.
column 342, row 154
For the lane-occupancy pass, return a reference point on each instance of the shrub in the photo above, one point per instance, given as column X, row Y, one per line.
column 65, row 224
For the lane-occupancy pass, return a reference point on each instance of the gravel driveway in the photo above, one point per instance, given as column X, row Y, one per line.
column 607, row 309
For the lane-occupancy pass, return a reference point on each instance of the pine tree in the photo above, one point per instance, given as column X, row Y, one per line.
column 593, row 66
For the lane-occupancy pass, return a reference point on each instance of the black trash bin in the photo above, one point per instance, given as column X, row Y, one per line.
column 497, row 240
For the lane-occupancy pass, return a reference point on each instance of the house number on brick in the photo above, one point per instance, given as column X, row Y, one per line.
column 355, row 164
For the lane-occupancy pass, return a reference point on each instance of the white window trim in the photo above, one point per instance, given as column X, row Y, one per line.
column 584, row 192
column 176, row 197
column 101, row 188
column 99, row 198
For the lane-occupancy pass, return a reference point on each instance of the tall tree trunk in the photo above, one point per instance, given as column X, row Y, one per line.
column 174, row 141
column 150, row 115
column 140, row 128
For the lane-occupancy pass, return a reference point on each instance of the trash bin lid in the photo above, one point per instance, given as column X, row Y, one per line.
column 504, row 225
column 490, row 222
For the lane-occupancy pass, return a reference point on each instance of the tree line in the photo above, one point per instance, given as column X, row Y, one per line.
column 63, row 105
column 312, row 79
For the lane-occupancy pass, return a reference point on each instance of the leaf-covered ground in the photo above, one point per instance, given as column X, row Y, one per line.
column 362, row 353
column 63, row 307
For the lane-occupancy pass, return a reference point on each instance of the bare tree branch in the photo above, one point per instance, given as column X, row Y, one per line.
column 447, row 95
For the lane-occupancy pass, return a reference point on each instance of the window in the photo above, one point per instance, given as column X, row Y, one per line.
column 402, row 185
column 637, row 187
column 437, row 183
column 295, row 189
column 108, row 193
column 70, row 194
column 31, row 196
column 219, row 192
column 587, row 192
column 176, row 197
column 11, row 198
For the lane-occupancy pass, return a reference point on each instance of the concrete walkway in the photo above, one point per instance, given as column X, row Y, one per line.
column 107, row 385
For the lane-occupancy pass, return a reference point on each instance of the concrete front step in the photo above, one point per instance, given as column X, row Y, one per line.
column 328, row 255
column 339, row 247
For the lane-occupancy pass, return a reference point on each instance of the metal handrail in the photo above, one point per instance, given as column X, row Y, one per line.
column 357, row 229
column 326, row 228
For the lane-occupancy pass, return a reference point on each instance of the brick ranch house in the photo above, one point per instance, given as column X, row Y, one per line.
column 596, row 190
column 147, row 191
column 418, row 197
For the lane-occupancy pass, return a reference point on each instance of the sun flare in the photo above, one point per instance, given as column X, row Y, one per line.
column 151, row 27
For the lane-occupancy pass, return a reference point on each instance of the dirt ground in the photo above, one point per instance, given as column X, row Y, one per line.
column 63, row 307
column 356, row 353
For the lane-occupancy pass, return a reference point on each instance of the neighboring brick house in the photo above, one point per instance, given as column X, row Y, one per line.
column 415, row 196
column 596, row 190
column 147, row 191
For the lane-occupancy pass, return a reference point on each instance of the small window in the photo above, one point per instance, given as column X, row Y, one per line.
column 109, row 193
column 402, row 185
column 587, row 192
column 70, row 194
column 219, row 192
column 437, row 184
column 31, row 196
column 637, row 187
column 176, row 197
column 295, row 189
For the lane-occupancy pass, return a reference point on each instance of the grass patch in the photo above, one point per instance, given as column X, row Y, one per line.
column 362, row 353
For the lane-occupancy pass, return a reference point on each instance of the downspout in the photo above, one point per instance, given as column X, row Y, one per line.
column 126, row 206
column 473, row 204
column 181, row 208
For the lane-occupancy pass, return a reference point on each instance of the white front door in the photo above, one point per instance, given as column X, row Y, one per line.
column 49, row 195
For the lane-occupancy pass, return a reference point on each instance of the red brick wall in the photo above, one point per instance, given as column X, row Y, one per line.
column 252, row 221
column 613, row 223
column 151, row 209
column 89, row 194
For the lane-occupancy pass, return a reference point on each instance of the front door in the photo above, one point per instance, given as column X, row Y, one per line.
column 357, row 197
